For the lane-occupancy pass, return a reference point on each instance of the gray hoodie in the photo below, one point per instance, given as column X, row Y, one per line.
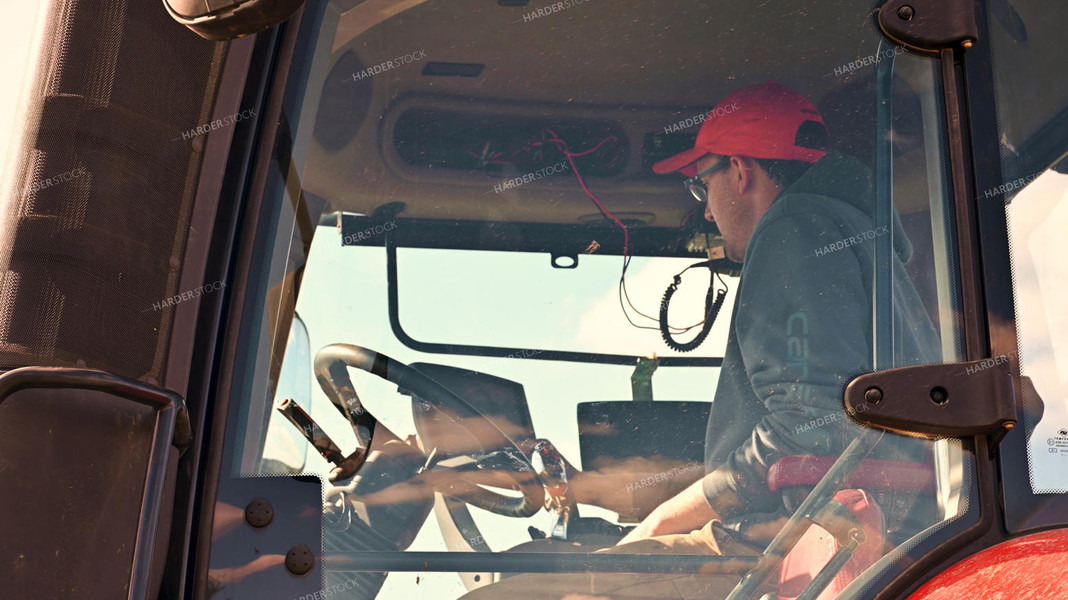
column 801, row 330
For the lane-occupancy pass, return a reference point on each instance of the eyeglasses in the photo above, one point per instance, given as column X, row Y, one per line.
column 696, row 184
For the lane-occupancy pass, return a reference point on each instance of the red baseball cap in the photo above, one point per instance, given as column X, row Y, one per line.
column 760, row 121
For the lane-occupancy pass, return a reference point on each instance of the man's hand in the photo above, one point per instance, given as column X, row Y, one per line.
column 681, row 514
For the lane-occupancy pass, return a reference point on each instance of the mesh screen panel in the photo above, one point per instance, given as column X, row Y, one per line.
column 105, row 184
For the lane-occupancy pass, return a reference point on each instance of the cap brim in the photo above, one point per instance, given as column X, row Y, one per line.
column 682, row 162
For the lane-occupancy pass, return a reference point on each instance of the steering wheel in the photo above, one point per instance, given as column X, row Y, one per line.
column 495, row 454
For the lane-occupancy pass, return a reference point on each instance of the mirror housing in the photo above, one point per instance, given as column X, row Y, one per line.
column 220, row 20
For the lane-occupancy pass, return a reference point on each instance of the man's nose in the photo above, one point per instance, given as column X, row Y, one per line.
column 708, row 213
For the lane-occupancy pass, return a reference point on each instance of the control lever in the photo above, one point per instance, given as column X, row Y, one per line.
column 550, row 468
column 346, row 466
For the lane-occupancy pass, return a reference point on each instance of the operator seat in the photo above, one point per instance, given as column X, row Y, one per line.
column 795, row 475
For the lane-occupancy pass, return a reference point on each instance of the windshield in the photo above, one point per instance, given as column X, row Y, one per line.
column 560, row 310
column 581, row 290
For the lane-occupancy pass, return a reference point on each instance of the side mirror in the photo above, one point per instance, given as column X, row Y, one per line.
column 221, row 20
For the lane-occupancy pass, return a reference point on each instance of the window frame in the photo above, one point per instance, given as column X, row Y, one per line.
column 989, row 298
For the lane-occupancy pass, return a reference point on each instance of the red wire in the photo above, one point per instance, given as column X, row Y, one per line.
column 626, row 232
column 571, row 159
column 563, row 147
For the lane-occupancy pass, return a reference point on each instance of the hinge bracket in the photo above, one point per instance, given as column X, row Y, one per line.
column 930, row 25
column 946, row 400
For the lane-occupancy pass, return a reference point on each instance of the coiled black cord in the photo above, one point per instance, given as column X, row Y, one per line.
column 713, row 303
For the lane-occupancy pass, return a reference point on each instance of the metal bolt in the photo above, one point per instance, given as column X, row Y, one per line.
column 259, row 512
column 939, row 395
column 873, row 395
column 300, row 560
column 905, row 13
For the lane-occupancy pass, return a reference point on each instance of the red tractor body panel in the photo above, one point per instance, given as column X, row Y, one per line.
column 1032, row 567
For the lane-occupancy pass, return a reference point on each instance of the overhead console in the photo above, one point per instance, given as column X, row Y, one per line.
column 506, row 144
column 422, row 132
column 449, row 158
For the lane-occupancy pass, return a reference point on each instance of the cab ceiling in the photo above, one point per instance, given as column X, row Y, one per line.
column 647, row 64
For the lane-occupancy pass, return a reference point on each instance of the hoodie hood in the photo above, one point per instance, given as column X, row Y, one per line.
column 843, row 178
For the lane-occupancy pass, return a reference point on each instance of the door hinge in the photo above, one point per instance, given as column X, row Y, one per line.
column 930, row 25
column 946, row 400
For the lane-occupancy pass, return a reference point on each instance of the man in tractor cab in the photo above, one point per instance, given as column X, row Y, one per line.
column 800, row 218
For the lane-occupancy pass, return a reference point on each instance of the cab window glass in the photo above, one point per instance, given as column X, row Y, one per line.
column 1027, row 50
column 1036, row 213
column 1027, row 47
column 561, row 264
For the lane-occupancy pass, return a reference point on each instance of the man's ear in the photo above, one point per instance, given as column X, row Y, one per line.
column 744, row 167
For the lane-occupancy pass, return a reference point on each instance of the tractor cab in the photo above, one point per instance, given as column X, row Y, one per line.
column 407, row 312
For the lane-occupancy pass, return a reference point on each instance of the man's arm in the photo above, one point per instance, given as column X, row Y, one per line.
column 687, row 511
column 822, row 293
column 806, row 329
